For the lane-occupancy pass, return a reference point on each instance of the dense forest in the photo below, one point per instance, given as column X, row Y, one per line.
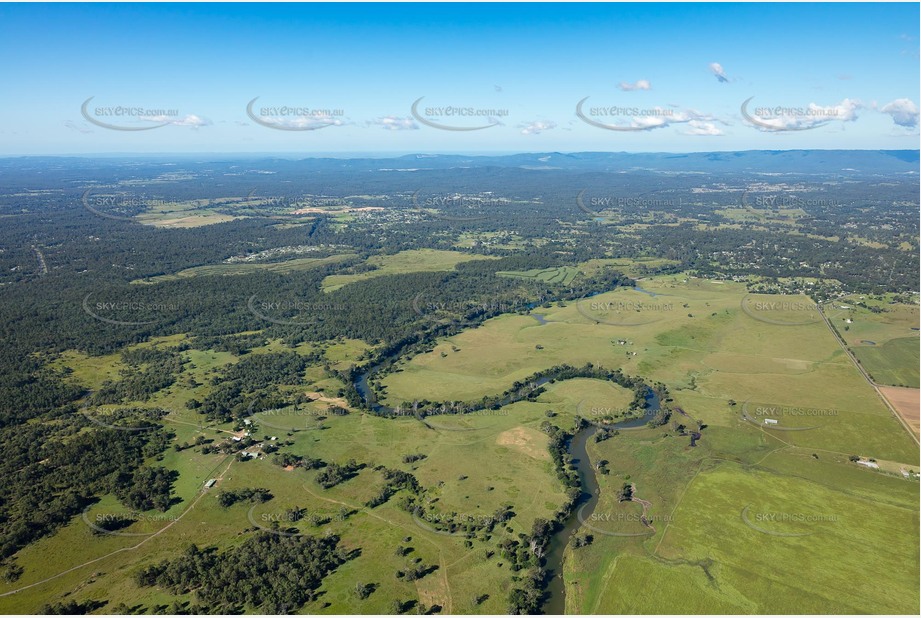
column 271, row 573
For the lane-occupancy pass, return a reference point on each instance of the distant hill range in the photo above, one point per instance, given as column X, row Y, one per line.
column 777, row 161
column 844, row 162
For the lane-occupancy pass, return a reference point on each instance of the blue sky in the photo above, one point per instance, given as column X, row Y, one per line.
column 658, row 77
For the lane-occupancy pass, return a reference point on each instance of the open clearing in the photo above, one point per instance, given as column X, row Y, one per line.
column 183, row 215
column 907, row 402
column 724, row 513
column 411, row 261
column 454, row 448
column 695, row 337
column 883, row 335
column 760, row 542
column 528, row 441
column 248, row 268
column 893, row 363
column 560, row 274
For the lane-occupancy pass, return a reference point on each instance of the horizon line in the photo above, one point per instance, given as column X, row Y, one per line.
column 399, row 154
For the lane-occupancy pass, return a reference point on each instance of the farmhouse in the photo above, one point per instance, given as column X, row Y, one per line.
column 770, row 421
column 210, row 483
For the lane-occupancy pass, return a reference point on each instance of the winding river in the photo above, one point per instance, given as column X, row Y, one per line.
column 588, row 479
column 367, row 393
column 556, row 602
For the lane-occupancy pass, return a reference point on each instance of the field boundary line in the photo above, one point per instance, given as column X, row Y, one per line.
column 609, row 573
column 867, row 377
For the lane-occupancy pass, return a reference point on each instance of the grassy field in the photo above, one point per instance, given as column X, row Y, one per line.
column 634, row 267
column 247, row 268
column 194, row 213
column 753, row 519
column 695, row 337
column 761, row 561
column 520, row 474
column 499, row 240
column 591, row 399
column 781, row 216
column 883, row 335
column 560, row 274
column 727, row 534
column 90, row 371
column 659, row 467
column 463, row 572
column 759, row 541
column 414, row 260
column 894, row 363
column 724, row 365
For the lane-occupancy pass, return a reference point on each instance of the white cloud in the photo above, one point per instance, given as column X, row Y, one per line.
column 318, row 121
column 186, row 121
column 660, row 117
column 535, row 128
column 784, row 118
column 395, row 123
column 73, row 126
column 699, row 127
column 641, row 84
column 192, row 121
column 903, row 112
column 647, row 123
column 718, row 72
column 914, row 49
column 846, row 110
column 303, row 123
